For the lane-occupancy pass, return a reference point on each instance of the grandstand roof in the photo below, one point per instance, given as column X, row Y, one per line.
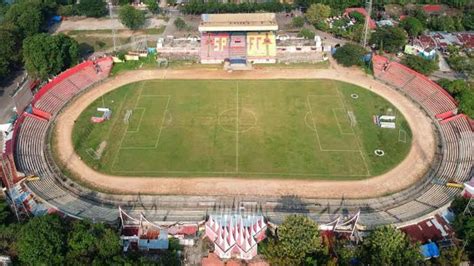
column 238, row 22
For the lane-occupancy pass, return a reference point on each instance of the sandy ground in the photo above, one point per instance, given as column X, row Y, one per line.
column 402, row 176
column 103, row 24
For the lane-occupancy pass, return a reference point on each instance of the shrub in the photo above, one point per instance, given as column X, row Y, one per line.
column 297, row 22
column 180, row 24
column 307, row 34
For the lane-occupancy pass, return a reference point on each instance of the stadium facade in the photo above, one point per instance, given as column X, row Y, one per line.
column 238, row 37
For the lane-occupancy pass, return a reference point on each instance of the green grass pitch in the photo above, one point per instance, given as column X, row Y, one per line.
column 245, row 128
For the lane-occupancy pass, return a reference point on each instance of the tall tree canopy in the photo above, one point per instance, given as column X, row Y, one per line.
column 92, row 8
column 132, row 18
column 9, row 47
column 28, row 16
column 43, row 241
column 350, row 54
column 391, row 39
column 297, row 239
column 46, row 55
column 317, row 14
column 413, row 26
column 388, row 246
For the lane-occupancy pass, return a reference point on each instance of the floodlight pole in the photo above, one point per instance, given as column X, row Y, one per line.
column 113, row 25
column 368, row 9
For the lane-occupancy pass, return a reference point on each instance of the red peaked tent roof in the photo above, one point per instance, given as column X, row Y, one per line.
column 432, row 8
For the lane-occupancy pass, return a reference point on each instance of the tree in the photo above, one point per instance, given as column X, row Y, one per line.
column 297, row 22
column 317, row 14
column 92, row 243
column 92, row 8
column 297, row 239
column 307, row 34
column 468, row 20
column 466, row 105
column 153, row 6
column 420, row 64
column 413, row 26
column 42, row 241
column 388, row 246
column 9, row 56
column 391, row 39
column 350, row 54
column 180, row 24
column 46, row 55
column 27, row 16
column 131, row 17
column 454, row 87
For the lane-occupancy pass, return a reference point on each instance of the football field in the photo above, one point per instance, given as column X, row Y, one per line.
column 320, row 129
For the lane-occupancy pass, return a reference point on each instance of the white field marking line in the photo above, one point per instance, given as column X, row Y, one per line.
column 338, row 124
column 359, row 144
column 237, row 133
column 125, row 132
column 159, row 132
column 314, row 124
column 316, row 130
column 306, row 121
column 231, row 172
column 139, row 122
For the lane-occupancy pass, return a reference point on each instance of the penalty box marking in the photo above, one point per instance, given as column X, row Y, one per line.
column 359, row 150
column 314, row 124
column 140, row 123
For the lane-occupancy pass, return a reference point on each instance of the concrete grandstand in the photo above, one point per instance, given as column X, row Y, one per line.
column 238, row 37
column 28, row 152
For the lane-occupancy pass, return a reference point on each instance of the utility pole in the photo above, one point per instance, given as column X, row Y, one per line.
column 368, row 9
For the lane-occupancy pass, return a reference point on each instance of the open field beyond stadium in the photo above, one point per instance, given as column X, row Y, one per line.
column 415, row 164
column 242, row 128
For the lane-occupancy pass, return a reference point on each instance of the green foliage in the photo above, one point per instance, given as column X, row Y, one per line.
column 197, row 7
column 298, row 238
column 420, row 64
column 298, row 22
column 468, row 20
column 461, row 63
column 67, row 10
column 446, row 23
column 180, row 24
column 350, row 54
column 92, row 8
column 413, row 26
column 8, row 239
column 153, row 6
column 92, row 243
column 335, row 5
column 464, row 93
column 9, row 56
column 388, row 246
column 317, row 13
column 390, row 39
column 464, row 227
column 307, row 34
column 454, row 87
column 28, row 16
column 450, row 256
column 46, row 55
column 132, row 18
column 43, row 241
column 466, row 103
column 357, row 16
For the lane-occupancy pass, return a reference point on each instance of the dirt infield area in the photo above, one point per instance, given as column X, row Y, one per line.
column 406, row 173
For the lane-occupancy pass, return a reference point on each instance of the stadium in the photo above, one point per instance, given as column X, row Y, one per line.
column 178, row 145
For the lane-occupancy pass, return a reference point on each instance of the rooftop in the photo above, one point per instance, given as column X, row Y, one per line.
column 238, row 22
